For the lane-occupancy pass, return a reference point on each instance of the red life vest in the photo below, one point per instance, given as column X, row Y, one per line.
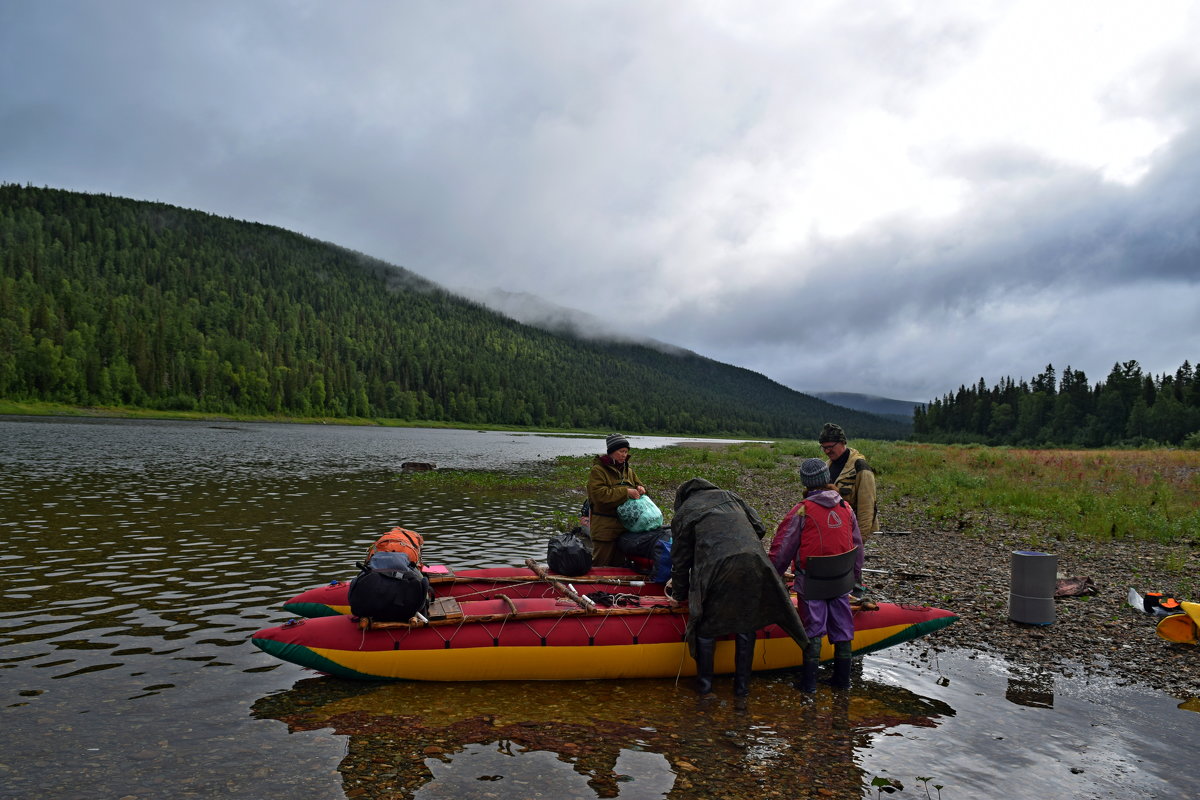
column 826, row 532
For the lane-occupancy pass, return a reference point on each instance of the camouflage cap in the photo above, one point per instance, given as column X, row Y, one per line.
column 831, row 433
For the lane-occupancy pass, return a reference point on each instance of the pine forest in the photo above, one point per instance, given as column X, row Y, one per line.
column 106, row 301
column 1129, row 408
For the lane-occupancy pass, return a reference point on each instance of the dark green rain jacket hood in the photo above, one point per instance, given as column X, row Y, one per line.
column 720, row 567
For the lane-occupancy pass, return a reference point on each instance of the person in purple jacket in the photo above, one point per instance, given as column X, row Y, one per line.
column 820, row 536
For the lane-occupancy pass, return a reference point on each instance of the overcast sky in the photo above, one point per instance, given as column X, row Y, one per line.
column 885, row 197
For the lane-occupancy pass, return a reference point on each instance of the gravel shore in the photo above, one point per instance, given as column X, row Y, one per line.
column 970, row 574
column 969, row 571
column 965, row 566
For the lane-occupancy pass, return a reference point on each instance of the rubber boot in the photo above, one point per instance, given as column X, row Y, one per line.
column 704, row 664
column 743, row 662
column 812, row 662
column 842, row 661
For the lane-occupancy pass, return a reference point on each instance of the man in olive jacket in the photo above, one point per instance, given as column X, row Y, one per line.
column 719, row 566
column 853, row 477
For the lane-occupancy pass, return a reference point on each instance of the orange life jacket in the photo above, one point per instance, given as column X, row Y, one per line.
column 399, row 540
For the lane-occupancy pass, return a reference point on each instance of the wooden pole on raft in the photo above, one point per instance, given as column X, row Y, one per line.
column 584, row 607
column 437, row 579
column 565, row 589
column 365, row 623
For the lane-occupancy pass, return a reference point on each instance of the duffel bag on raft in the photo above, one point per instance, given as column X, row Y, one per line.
column 388, row 588
column 649, row 547
column 640, row 515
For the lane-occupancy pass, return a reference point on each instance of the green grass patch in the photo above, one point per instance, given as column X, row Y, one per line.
column 1095, row 495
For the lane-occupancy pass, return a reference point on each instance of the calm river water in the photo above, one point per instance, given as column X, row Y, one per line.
column 136, row 558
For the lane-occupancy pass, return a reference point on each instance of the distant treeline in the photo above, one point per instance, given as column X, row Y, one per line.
column 1128, row 408
column 110, row 301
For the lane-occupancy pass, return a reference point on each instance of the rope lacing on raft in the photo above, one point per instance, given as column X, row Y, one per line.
column 485, row 593
column 601, row 620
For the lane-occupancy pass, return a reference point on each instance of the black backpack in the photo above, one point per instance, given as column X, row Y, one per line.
column 391, row 594
column 570, row 553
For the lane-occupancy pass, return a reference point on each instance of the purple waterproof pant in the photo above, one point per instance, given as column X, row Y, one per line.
column 831, row 618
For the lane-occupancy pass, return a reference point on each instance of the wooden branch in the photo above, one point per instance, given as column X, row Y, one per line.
column 659, row 608
column 565, row 589
column 439, row 578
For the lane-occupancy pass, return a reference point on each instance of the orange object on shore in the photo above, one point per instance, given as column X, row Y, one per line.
column 1183, row 628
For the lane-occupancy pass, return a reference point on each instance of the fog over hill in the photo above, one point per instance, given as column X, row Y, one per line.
column 538, row 312
column 529, row 309
column 884, row 406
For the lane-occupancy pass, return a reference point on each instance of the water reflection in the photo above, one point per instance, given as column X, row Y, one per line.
column 596, row 739
column 136, row 557
column 1028, row 687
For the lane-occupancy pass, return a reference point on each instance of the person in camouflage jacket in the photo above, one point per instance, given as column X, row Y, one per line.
column 853, row 477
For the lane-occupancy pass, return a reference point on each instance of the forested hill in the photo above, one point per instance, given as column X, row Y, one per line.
column 110, row 301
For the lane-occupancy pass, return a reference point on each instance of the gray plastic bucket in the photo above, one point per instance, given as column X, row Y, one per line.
column 1031, row 597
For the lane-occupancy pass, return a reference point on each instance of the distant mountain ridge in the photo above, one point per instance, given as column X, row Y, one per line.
column 111, row 301
column 541, row 313
column 872, row 404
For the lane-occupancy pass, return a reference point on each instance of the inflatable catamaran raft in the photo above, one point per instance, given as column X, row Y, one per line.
column 512, row 633
column 333, row 599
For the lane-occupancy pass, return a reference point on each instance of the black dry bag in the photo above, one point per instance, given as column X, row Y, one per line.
column 569, row 554
column 389, row 595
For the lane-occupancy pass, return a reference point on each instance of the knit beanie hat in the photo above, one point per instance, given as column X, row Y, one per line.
column 831, row 433
column 615, row 441
column 814, row 473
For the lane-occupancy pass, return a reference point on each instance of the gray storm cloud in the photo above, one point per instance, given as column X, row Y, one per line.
column 797, row 190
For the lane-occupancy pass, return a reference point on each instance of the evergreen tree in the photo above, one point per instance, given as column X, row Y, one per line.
column 1129, row 406
column 119, row 302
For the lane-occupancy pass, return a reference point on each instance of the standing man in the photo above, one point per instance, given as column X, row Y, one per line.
column 853, row 477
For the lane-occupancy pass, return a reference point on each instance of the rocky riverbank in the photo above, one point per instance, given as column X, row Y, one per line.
column 970, row 573
column 965, row 565
column 968, row 569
